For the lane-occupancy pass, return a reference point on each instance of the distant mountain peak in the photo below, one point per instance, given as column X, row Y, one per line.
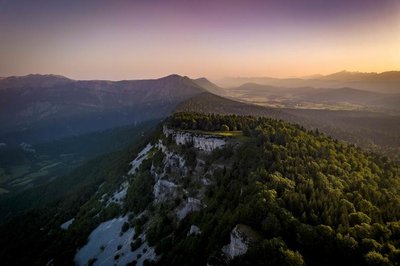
column 172, row 76
column 38, row 77
column 209, row 86
column 33, row 80
column 47, row 75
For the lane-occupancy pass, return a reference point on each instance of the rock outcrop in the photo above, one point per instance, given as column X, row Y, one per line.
column 191, row 205
column 194, row 230
column 163, row 190
column 241, row 237
column 206, row 143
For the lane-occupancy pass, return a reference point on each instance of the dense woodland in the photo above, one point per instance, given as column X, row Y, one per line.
column 312, row 200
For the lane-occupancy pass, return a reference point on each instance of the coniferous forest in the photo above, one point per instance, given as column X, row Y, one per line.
column 312, row 199
column 308, row 199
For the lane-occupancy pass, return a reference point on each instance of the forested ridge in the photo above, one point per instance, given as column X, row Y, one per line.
column 373, row 131
column 313, row 200
column 308, row 198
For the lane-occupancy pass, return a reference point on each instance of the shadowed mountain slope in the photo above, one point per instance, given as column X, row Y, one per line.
column 39, row 108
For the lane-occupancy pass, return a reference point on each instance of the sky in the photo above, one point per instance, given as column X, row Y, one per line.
column 116, row 39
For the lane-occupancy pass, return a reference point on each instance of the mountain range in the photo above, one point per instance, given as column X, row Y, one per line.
column 38, row 108
column 316, row 98
column 180, row 171
column 385, row 82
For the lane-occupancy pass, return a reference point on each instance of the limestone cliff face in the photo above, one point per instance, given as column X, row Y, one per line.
column 168, row 183
column 201, row 142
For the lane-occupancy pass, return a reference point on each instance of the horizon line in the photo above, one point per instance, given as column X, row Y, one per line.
column 181, row 75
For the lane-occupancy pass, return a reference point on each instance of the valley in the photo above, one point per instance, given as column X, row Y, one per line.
column 23, row 168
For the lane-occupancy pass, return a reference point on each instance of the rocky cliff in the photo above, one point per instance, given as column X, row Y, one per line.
column 167, row 169
column 202, row 142
column 240, row 238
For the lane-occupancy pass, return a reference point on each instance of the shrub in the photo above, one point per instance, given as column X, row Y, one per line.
column 376, row 259
column 125, row 227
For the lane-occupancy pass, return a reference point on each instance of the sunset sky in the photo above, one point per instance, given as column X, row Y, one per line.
column 146, row 39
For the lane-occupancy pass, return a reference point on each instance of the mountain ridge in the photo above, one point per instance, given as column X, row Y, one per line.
column 381, row 82
column 222, row 190
column 60, row 107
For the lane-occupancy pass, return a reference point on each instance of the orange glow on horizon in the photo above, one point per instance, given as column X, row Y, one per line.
column 261, row 38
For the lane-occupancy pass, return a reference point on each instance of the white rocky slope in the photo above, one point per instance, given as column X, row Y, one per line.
column 140, row 158
column 108, row 244
column 119, row 195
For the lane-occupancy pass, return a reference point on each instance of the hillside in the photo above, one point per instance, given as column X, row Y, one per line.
column 209, row 86
column 374, row 131
column 388, row 101
column 39, row 108
column 385, row 82
column 345, row 98
column 346, row 95
column 214, row 189
column 211, row 103
column 33, row 81
column 33, row 176
column 372, row 76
